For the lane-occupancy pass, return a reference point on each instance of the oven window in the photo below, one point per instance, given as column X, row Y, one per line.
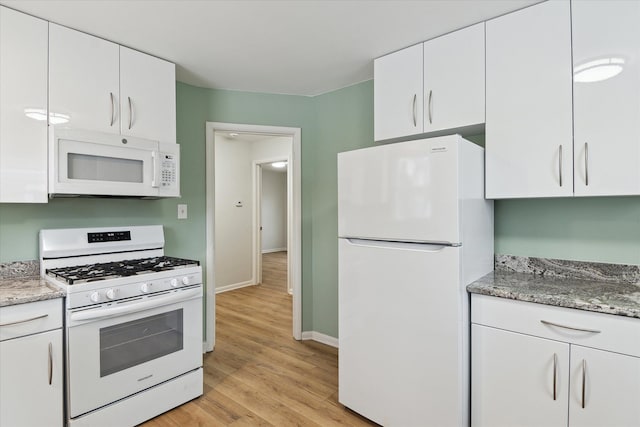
column 102, row 168
column 129, row 344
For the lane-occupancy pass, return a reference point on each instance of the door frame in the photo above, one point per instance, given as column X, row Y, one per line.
column 294, row 239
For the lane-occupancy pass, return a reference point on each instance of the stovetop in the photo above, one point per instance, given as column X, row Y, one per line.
column 111, row 270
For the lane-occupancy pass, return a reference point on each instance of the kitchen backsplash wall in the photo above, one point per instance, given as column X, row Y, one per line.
column 590, row 229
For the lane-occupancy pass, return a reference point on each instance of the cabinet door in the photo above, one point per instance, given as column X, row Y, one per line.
column 454, row 80
column 23, row 108
column 606, row 41
column 529, row 111
column 30, row 394
column 148, row 95
column 397, row 94
column 83, row 81
column 605, row 389
column 513, row 377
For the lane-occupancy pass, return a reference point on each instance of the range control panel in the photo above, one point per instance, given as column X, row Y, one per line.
column 110, row 236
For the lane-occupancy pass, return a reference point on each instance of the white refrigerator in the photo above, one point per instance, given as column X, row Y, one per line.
column 414, row 229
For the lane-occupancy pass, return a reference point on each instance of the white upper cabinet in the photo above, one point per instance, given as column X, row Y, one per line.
column 431, row 87
column 528, row 105
column 83, row 81
column 148, row 96
column 397, row 94
column 98, row 85
column 23, row 108
column 454, row 80
column 606, row 91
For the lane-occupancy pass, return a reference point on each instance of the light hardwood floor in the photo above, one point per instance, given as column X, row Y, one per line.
column 258, row 375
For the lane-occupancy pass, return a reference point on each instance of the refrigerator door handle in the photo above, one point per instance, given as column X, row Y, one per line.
column 425, row 247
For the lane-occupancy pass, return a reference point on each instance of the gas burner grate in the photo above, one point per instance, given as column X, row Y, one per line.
column 111, row 270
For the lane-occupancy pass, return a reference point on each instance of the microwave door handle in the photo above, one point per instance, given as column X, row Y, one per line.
column 155, row 160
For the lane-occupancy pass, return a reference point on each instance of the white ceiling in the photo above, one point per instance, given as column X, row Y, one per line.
column 301, row 47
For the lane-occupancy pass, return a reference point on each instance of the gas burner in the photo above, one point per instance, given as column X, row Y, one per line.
column 111, row 270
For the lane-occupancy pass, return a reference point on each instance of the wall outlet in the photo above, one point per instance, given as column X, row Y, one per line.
column 182, row 211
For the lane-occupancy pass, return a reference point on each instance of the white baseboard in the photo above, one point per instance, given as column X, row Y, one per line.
column 321, row 338
column 268, row 251
column 234, row 286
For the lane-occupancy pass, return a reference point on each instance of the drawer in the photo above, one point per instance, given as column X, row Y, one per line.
column 620, row 334
column 30, row 318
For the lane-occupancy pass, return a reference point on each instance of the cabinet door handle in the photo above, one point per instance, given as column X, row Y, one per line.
column 112, row 108
column 415, row 113
column 555, row 376
column 573, row 328
column 586, row 163
column 560, row 163
column 584, row 380
column 31, row 319
column 130, row 111
column 430, row 106
column 50, row 363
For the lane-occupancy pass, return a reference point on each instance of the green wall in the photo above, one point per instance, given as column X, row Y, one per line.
column 603, row 229
column 593, row 229
column 345, row 122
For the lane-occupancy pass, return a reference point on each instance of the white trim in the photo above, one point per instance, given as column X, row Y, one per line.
column 321, row 338
column 234, row 286
column 268, row 251
column 294, row 241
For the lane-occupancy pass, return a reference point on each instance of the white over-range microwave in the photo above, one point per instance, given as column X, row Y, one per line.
column 86, row 163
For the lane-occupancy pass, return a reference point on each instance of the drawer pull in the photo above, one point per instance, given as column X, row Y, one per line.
column 24, row 321
column 584, row 380
column 593, row 331
column 50, row 370
column 586, row 163
column 430, row 106
column 560, row 164
column 555, row 376
column 113, row 109
column 415, row 114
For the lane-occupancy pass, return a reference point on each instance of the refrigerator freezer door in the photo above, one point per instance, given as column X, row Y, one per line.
column 406, row 191
column 402, row 341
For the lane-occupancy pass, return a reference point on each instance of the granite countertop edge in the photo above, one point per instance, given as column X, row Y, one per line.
column 601, row 297
column 22, row 290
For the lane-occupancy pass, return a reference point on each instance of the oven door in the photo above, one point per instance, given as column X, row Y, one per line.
column 137, row 345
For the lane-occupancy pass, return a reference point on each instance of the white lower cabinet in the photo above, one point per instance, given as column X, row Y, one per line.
column 31, row 381
column 514, row 378
column 537, row 365
column 605, row 388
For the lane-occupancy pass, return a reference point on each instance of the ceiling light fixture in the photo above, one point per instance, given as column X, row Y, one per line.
column 279, row 165
column 233, row 134
column 598, row 70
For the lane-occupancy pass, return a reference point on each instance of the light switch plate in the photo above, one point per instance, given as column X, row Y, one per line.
column 182, row 211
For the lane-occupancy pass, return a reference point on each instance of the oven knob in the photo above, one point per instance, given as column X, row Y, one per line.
column 111, row 294
column 145, row 288
column 95, row 297
column 174, row 283
column 185, row 280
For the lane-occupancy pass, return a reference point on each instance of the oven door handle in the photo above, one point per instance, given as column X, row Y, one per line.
column 152, row 302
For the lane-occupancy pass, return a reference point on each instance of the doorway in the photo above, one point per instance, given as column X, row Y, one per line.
column 238, row 207
column 271, row 219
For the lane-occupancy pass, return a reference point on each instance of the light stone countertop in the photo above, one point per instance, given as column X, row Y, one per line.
column 20, row 290
column 622, row 299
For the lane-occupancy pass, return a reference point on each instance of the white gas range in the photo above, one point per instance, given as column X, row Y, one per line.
column 133, row 322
